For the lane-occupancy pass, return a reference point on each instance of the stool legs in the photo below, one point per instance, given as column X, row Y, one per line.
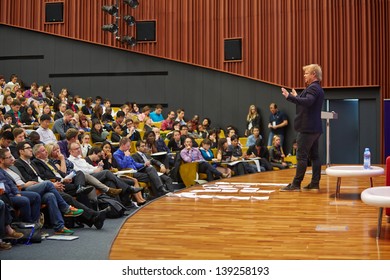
column 378, row 231
column 338, row 187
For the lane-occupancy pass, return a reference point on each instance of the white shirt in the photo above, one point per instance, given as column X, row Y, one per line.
column 82, row 165
column 46, row 135
column 15, row 176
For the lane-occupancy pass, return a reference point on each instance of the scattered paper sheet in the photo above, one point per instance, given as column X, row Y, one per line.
column 265, row 191
column 273, row 184
column 229, row 190
column 331, row 228
column 260, row 197
column 249, row 190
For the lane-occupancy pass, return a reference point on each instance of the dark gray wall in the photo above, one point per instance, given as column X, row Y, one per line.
column 222, row 97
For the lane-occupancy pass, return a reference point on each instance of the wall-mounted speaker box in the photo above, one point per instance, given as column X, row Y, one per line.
column 146, row 31
column 54, row 12
column 233, row 49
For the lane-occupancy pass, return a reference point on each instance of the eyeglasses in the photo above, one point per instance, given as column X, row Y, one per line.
column 8, row 157
column 27, row 148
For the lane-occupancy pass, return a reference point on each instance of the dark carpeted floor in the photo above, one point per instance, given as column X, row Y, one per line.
column 92, row 244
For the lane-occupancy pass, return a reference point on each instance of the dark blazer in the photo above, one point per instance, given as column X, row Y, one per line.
column 25, row 169
column 138, row 158
column 115, row 137
column 58, row 115
column 44, row 171
column 13, row 150
column 308, row 108
column 134, row 137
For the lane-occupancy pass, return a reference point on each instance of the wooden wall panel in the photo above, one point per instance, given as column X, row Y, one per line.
column 349, row 38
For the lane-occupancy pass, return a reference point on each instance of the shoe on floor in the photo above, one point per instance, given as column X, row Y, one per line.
column 73, row 212
column 14, row 235
column 290, row 188
column 5, row 246
column 312, row 187
column 64, row 231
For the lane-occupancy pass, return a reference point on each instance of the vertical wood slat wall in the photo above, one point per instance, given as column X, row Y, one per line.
column 349, row 38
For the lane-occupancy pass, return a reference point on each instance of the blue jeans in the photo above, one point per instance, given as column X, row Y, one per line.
column 54, row 201
column 2, row 218
column 29, row 204
column 307, row 149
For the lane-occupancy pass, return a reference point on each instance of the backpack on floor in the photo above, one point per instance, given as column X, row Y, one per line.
column 117, row 208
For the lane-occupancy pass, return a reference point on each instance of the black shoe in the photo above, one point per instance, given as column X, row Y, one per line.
column 84, row 190
column 162, row 191
column 290, row 188
column 135, row 189
column 312, row 187
column 98, row 221
column 141, row 203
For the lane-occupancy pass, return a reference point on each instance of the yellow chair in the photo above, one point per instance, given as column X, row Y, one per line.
column 221, row 134
column 198, row 141
column 189, row 173
column 292, row 159
column 141, row 126
column 157, row 124
column 243, row 141
column 133, row 149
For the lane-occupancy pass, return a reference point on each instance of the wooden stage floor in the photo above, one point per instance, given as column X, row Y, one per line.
column 290, row 225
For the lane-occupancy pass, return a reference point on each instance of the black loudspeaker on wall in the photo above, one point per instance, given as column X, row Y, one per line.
column 146, row 31
column 233, row 50
column 54, row 12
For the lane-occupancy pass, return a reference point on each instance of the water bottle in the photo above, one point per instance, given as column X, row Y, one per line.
column 367, row 159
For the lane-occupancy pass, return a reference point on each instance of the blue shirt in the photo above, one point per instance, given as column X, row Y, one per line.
column 126, row 161
column 156, row 117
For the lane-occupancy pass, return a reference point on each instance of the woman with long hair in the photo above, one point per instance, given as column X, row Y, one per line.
column 276, row 154
column 97, row 133
column 252, row 119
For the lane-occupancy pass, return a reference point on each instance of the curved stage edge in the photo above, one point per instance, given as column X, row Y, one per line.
column 289, row 225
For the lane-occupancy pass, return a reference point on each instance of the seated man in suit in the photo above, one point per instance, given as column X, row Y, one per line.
column 29, row 203
column 141, row 157
column 105, row 176
column 60, row 113
column 48, row 193
column 145, row 172
column 73, row 186
column 26, row 172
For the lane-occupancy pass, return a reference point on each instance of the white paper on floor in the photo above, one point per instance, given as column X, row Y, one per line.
column 331, row 228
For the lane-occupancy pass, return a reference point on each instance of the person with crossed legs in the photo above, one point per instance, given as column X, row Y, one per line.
column 48, row 193
column 145, row 172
